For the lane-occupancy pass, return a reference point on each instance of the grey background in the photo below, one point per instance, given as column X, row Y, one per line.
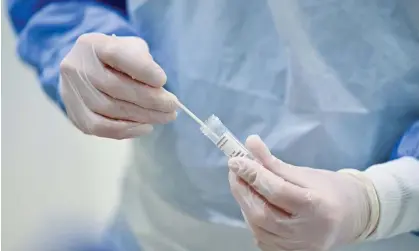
column 49, row 169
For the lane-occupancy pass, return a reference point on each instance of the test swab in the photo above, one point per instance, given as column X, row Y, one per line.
column 191, row 114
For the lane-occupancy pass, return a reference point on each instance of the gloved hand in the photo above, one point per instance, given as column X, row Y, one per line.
column 299, row 208
column 111, row 87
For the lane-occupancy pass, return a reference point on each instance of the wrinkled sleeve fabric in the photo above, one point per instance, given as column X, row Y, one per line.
column 47, row 29
column 397, row 186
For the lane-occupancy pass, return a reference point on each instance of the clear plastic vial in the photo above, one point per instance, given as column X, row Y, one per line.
column 215, row 130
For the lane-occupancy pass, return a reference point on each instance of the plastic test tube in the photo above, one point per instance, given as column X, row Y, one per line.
column 216, row 131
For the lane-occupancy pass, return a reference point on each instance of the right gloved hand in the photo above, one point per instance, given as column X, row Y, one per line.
column 111, row 87
column 300, row 208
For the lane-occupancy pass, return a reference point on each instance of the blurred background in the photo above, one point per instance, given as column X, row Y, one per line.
column 49, row 169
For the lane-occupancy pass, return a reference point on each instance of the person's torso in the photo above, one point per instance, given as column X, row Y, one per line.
column 331, row 86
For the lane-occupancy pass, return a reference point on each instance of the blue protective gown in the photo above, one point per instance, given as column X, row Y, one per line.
column 408, row 145
column 327, row 84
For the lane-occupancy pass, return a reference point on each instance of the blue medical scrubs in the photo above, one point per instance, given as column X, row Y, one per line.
column 326, row 84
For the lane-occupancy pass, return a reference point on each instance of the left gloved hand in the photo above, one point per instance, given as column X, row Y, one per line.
column 299, row 208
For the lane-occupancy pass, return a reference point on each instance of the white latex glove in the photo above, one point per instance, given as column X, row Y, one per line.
column 111, row 87
column 298, row 208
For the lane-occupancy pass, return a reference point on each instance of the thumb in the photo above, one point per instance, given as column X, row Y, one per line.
column 258, row 149
column 262, row 153
column 294, row 174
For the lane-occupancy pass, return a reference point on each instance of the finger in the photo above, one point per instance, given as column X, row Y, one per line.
column 258, row 149
column 122, row 87
column 273, row 188
column 297, row 175
column 255, row 209
column 101, row 103
column 252, row 202
column 94, row 124
column 293, row 174
column 249, row 200
column 83, row 64
column 267, row 247
column 116, row 129
column 261, row 152
column 131, row 56
column 274, row 240
column 122, row 110
column 282, row 230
